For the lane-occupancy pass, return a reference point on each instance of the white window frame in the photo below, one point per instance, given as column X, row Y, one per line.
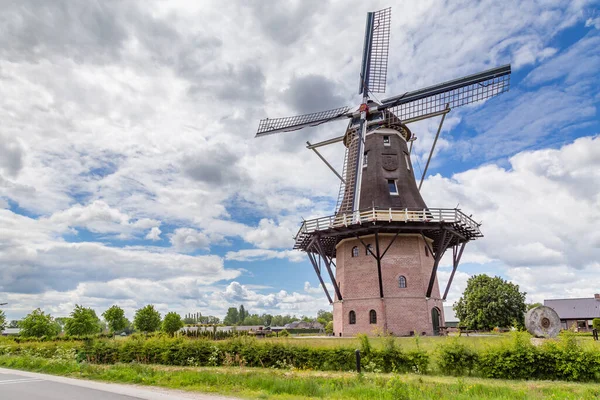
column 365, row 159
column 395, row 186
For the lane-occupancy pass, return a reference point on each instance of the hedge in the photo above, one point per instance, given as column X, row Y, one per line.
column 516, row 358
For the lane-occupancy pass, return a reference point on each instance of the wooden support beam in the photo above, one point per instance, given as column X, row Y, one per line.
column 438, row 256
column 323, row 255
column 379, row 265
column 455, row 261
column 313, row 261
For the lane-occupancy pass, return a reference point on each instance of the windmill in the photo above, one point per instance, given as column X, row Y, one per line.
column 379, row 207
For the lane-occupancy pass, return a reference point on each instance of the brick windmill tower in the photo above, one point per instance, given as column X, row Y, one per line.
column 382, row 247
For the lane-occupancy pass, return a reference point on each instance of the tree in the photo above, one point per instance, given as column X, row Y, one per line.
column 115, row 317
column 172, row 323
column 38, row 324
column 2, row 321
column 83, row 321
column 61, row 321
column 489, row 302
column 329, row 328
column 324, row 317
column 232, row 316
column 596, row 323
column 147, row 319
column 14, row 323
column 533, row 305
column 253, row 319
column 242, row 314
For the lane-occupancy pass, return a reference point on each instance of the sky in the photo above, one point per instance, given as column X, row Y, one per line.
column 130, row 175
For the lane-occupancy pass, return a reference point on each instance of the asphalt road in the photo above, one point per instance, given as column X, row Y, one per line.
column 19, row 385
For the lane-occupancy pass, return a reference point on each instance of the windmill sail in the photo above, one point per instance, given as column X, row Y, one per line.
column 269, row 126
column 373, row 72
column 455, row 93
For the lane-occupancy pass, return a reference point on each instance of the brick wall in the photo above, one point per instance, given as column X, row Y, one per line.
column 403, row 309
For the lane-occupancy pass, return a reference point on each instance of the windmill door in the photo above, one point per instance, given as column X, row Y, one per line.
column 435, row 320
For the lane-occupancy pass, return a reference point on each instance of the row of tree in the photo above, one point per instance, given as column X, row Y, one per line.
column 84, row 321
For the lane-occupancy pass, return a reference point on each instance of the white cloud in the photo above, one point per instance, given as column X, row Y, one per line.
column 262, row 254
column 154, row 233
column 189, row 240
column 539, row 216
column 595, row 22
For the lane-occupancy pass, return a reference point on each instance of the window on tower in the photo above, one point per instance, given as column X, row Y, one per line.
column 355, row 251
column 386, row 140
column 402, row 282
column 392, row 186
column 372, row 317
column 369, row 249
column 352, row 317
column 365, row 159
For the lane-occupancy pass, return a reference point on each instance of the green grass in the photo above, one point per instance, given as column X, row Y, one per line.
column 286, row 384
column 427, row 343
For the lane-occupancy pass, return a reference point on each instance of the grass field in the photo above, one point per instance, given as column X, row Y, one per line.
column 427, row 343
column 260, row 383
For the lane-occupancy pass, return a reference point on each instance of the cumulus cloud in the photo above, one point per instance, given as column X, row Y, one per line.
column 538, row 216
column 262, row 254
column 154, row 234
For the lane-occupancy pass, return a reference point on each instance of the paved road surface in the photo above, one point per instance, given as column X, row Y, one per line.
column 19, row 385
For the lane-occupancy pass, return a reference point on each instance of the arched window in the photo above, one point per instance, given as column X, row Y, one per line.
column 401, row 282
column 352, row 317
column 355, row 251
column 372, row 317
column 369, row 247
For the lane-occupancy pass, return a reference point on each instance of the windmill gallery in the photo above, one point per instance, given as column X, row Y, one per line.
column 382, row 246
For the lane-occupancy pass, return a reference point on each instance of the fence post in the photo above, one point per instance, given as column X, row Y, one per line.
column 357, row 352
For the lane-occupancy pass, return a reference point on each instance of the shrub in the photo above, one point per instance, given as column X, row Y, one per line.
column 596, row 323
column 284, row 333
column 456, row 358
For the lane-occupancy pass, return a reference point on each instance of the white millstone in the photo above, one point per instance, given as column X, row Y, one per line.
column 542, row 321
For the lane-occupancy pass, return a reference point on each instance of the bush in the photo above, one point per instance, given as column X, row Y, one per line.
column 596, row 323
column 284, row 333
column 456, row 358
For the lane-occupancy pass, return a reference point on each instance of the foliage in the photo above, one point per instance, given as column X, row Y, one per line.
column 83, row 321
column 596, row 323
column 172, row 323
column 147, row 319
column 456, row 358
column 2, row 321
column 513, row 357
column 38, row 324
column 324, row 317
column 242, row 313
column 329, row 328
column 489, row 302
column 232, row 317
column 533, row 305
column 284, row 333
column 288, row 384
column 115, row 317
column 14, row 324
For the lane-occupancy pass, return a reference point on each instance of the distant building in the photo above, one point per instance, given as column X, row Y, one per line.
column 304, row 325
column 11, row 332
column 579, row 312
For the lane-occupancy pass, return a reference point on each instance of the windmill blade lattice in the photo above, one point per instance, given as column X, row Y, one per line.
column 269, row 126
column 375, row 53
column 456, row 93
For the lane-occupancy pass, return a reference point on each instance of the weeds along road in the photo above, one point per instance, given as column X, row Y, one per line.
column 21, row 385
